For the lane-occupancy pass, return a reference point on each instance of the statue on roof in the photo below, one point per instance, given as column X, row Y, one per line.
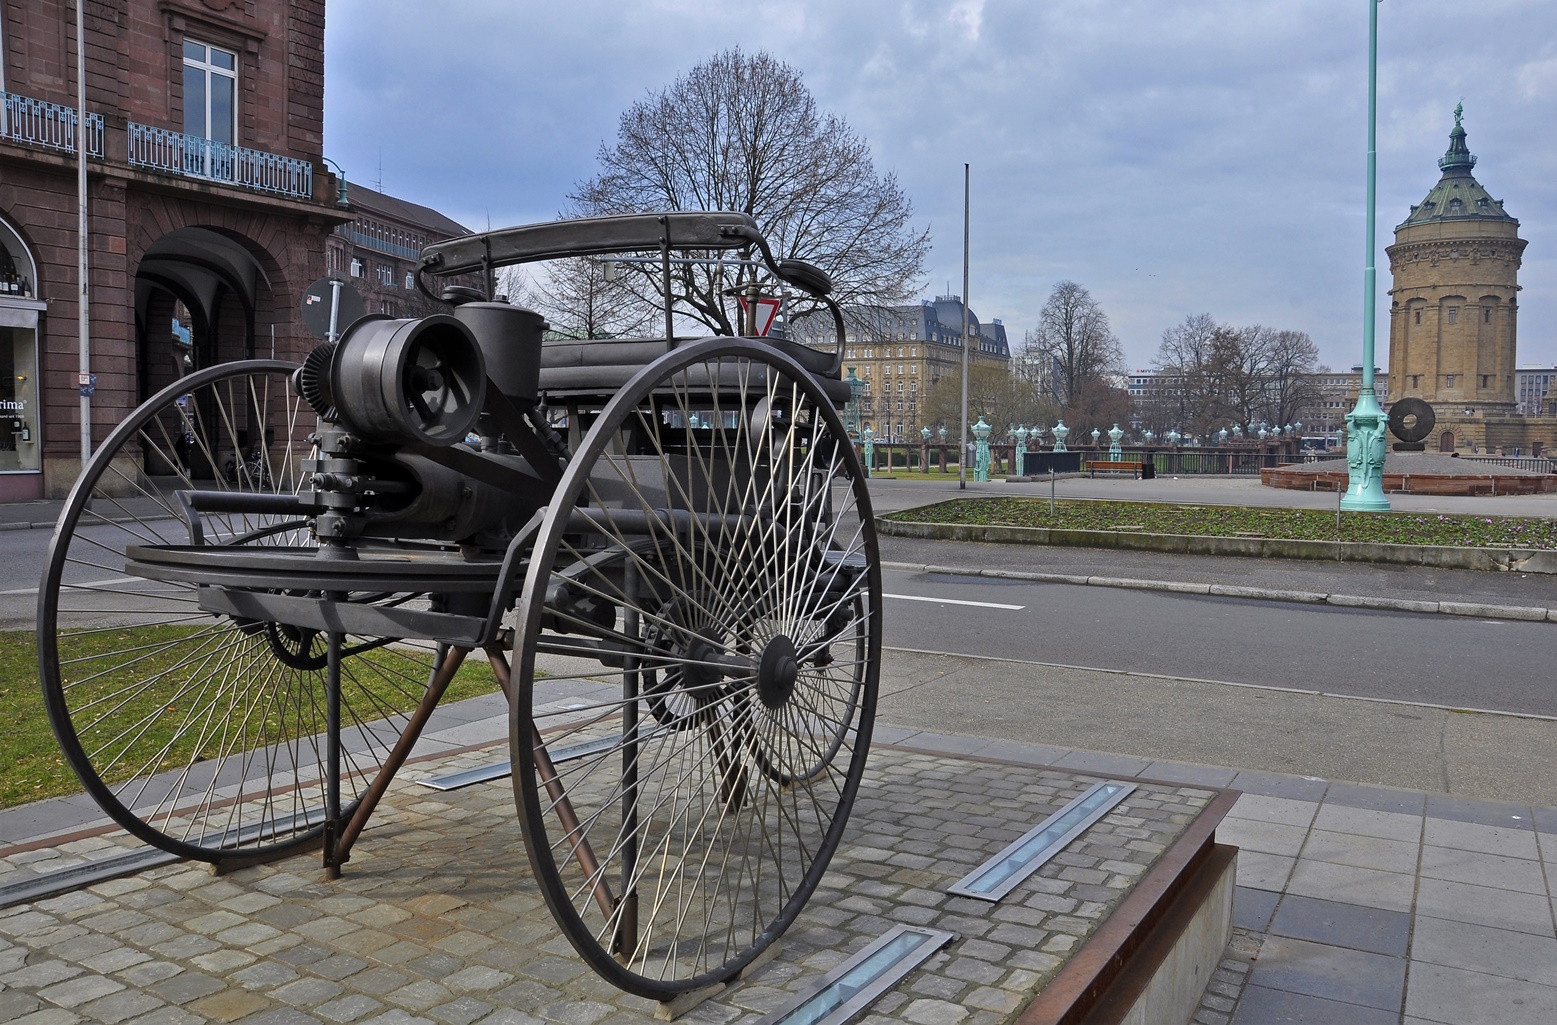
column 1459, row 113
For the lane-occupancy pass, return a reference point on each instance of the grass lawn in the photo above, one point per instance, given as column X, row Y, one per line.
column 1241, row 521
column 34, row 768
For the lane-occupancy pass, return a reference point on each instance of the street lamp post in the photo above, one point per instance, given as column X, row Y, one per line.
column 1365, row 424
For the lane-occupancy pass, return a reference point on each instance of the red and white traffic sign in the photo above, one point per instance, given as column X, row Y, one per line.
column 767, row 309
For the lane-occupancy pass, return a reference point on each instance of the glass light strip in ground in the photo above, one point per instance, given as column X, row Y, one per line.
column 854, row 985
column 1000, row 875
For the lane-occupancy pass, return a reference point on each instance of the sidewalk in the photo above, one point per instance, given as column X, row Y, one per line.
column 1356, row 902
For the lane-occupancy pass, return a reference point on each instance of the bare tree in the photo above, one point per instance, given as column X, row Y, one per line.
column 743, row 133
column 577, row 298
column 993, row 393
column 1072, row 346
column 1293, row 389
column 1209, row 375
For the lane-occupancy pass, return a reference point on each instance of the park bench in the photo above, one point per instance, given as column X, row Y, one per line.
column 1113, row 466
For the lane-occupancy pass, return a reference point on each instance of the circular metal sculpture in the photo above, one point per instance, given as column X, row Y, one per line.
column 1411, row 420
column 269, row 575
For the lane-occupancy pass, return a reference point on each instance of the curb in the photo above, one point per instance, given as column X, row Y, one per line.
column 1516, row 560
column 1524, row 613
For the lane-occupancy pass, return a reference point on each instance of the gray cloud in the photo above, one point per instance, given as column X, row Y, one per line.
column 1174, row 158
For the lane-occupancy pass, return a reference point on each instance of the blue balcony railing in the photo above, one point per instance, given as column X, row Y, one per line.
column 177, row 153
column 50, row 125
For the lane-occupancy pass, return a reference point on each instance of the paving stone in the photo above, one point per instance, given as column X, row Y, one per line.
column 121, row 1006
column 463, row 1011
column 1344, row 925
column 148, row 972
column 348, row 1008
column 77, row 991
column 229, row 1005
column 307, row 991
column 186, row 986
column 1336, row 973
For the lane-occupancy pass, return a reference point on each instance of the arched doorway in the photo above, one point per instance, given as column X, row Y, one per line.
column 1446, row 441
column 198, row 295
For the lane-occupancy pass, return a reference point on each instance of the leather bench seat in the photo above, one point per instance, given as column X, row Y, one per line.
column 602, row 366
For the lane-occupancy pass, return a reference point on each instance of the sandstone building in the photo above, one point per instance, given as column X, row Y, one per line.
column 1454, row 312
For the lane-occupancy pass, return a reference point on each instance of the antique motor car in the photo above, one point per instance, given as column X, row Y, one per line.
column 270, row 573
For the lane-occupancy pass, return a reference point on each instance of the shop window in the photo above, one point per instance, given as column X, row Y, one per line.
column 20, row 448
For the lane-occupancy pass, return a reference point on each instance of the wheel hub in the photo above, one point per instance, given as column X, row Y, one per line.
column 777, row 672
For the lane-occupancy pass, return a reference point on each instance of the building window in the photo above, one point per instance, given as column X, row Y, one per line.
column 386, row 275
column 1454, row 314
column 1418, row 316
column 410, row 281
column 210, row 92
column 1449, row 381
column 356, row 267
column 1486, row 315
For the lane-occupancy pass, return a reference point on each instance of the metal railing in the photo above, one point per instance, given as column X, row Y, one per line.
column 190, row 155
column 363, row 238
column 1540, row 464
column 1219, row 461
column 50, row 125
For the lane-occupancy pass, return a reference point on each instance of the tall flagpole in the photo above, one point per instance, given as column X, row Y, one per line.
column 962, row 457
column 83, row 309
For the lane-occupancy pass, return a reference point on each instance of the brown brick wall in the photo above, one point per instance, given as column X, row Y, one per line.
column 135, row 72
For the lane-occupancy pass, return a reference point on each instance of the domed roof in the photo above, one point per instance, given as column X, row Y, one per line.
column 1457, row 195
column 948, row 311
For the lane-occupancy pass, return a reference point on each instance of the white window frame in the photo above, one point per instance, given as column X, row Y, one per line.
column 208, row 70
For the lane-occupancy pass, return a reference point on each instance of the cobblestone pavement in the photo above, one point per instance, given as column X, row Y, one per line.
column 438, row 919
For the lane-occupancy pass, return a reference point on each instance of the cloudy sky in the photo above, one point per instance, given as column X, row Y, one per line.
column 1174, row 158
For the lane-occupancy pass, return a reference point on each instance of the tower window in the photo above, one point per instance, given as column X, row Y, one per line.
column 1454, row 314
column 1449, row 381
column 1486, row 315
column 1418, row 316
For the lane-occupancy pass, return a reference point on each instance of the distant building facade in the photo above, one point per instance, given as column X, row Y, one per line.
column 899, row 352
column 1535, row 390
column 378, row 251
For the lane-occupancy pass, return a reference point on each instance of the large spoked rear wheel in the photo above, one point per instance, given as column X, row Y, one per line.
column 711, row 546
column 199, row 732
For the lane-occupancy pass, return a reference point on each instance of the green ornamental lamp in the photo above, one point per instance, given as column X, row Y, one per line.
column 1365, row 424
column 981, row 431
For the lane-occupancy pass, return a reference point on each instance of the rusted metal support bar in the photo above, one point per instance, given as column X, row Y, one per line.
column 453, row 658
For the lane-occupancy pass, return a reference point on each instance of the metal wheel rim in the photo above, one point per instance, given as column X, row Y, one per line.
column 261, row 795
column 546, row 842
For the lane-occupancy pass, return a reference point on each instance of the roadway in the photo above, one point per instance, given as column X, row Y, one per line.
column 1460, row 662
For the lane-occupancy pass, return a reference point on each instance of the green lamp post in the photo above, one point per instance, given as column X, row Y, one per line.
column 870, row 451
column 851, row 409
column 1060, row 432
column 1115, row 435
column 981, row 431
column 1365, row 424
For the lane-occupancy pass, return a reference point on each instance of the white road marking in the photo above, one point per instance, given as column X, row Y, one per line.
column 67, row 585
column 955, row 601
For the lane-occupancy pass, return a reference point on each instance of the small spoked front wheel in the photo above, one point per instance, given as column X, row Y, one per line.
column 711, row 546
